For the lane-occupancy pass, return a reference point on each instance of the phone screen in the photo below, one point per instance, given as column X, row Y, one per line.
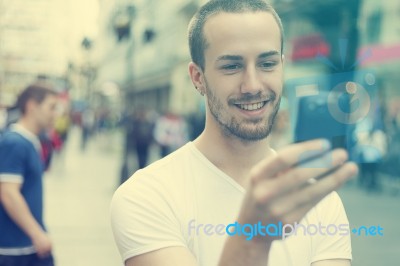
column 314, row 120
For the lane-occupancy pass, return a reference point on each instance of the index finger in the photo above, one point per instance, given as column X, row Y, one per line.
column 288, row 157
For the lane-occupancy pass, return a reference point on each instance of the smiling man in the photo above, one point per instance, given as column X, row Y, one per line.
column 171, row 212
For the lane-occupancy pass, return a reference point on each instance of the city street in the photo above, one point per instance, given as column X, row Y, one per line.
column 122, row 67
column 80, row 184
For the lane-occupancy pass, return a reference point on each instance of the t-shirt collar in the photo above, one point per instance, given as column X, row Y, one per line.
column 20, row 129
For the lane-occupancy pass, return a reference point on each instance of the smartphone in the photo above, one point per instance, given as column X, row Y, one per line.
column 314, row 119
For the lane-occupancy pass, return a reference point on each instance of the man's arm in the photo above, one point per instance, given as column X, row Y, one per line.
column 173, row 256
column 18, row 210
column 283, row 189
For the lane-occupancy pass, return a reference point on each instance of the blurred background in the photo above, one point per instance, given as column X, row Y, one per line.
column 126, row 100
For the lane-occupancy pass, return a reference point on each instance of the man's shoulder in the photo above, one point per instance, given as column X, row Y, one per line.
column 330, row 200
column 329, row 209
column 11, row 135
column 13, row 140
column 162, row 187
column 167, row 172
column 169, row 162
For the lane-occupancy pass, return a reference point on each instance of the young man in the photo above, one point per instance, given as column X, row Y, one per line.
column 24, row 241
column 190, row 208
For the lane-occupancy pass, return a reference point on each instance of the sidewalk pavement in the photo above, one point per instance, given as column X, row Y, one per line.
column 78, row 190
column 373, row 209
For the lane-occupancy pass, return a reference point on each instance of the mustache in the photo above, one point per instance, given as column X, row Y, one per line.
column 248, row 97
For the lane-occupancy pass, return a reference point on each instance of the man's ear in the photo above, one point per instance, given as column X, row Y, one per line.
column 197, row 77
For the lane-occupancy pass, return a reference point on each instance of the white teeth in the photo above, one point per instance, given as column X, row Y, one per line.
column 251, row 107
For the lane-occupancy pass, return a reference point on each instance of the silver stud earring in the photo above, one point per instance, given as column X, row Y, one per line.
column 201, row 91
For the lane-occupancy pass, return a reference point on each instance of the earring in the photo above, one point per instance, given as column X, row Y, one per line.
column 200, row 91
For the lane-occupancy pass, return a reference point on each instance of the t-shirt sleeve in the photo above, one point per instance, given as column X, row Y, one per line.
column 335, row 242
column 144, row 218
column 11, row 162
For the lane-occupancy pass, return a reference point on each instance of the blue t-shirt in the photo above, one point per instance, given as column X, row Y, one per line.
column 20, row 162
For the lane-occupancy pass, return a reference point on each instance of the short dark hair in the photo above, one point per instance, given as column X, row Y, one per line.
column 197, row 40
column 37, row 92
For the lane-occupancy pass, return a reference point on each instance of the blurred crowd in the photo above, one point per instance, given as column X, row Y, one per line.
column 142, row 129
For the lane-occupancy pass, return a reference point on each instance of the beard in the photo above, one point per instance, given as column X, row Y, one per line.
column 246, row 129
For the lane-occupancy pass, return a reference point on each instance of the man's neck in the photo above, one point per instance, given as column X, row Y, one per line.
column 28, row 125
column 233, row 156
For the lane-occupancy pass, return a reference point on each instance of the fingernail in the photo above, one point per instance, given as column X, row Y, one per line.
column 353, row 169
column 342, row 156
column 326, row 144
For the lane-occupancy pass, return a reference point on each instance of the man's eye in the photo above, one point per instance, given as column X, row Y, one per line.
column 268, row 65
column 231, row 67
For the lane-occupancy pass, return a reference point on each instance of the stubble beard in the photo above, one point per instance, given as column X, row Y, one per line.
column 246, row 130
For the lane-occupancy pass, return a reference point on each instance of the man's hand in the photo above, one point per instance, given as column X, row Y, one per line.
column 17, row 208
column 42, row 244
column 285, row 187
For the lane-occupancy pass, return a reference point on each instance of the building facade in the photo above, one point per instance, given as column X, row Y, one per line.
column 33, row 43
column 150, row 63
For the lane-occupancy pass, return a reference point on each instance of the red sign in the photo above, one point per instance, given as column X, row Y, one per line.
column 379, row 53
column 309, row 47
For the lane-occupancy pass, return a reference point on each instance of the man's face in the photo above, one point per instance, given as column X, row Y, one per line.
column 243, row 74
column 45, row 112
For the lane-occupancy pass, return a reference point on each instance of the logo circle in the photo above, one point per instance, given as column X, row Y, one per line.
column 359, row 101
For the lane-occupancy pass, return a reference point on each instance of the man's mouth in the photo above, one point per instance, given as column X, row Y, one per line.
column 252, row 106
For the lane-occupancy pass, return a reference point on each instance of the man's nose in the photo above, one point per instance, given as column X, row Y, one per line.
column 251, row 82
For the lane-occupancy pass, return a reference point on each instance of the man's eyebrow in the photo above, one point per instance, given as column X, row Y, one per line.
column 238, row 57
column 268, row 54
column 229, row 57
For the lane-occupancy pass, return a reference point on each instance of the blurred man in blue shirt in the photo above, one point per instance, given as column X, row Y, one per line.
column 24, row 240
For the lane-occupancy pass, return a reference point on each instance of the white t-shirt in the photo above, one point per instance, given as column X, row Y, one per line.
column 181, row 199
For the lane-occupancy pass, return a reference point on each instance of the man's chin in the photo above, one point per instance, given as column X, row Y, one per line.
column 247, row 134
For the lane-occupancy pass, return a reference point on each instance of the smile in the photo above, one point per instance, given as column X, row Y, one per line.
column 252, row 106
